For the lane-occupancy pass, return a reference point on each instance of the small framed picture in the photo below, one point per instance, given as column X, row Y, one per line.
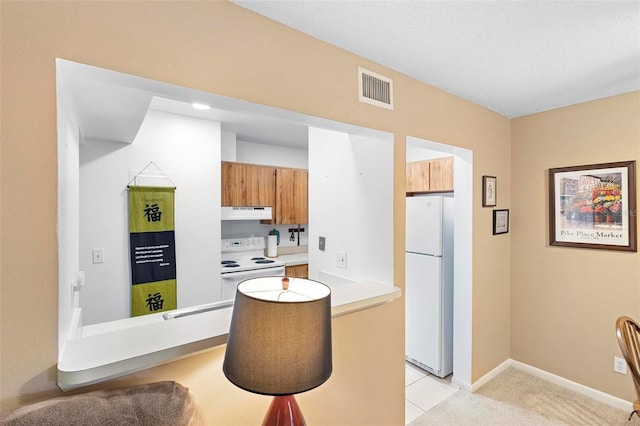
column 500, row 221
column 489, row 191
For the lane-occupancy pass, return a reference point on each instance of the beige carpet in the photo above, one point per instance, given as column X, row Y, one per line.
column 517, row 398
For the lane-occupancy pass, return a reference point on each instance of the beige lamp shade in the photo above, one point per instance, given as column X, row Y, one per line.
column 279, row 340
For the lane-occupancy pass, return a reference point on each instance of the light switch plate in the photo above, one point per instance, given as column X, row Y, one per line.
column 321, row 243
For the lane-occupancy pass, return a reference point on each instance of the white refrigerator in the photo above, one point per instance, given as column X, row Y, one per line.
column 429, row 283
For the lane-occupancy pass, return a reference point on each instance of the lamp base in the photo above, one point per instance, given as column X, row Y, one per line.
column 284, row 410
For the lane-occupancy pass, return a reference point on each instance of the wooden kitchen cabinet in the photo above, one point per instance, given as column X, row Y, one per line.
column 417, row 176
column 297, row 271
column 247, row 185
column 430, row 176
column 292, row 196
column 441, row 174
column 286, row 190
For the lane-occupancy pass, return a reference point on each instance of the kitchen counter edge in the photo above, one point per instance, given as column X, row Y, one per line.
column 92, row 358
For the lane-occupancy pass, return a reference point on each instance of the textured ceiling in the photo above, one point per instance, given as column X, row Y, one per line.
column 513, row 57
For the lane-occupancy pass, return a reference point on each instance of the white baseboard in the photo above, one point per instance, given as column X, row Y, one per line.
column 490, row 375
column 561, row 381
column 462, row 385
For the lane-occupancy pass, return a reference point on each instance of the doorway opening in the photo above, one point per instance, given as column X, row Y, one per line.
column 422, row 149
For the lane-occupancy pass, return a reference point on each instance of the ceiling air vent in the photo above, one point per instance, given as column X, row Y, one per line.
column 375, row 89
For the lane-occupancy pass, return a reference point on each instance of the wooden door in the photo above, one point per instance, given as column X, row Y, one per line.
column 292, row 200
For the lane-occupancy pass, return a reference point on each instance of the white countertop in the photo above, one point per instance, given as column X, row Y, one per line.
column 122, row 347
column 294, row 258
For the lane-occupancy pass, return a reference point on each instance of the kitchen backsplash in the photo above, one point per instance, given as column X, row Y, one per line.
column 253, row 228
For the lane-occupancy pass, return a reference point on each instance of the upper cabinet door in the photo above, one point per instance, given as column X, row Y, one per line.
column 418, row 176
column 247, row 185
column 292, row 200
column 441, row 174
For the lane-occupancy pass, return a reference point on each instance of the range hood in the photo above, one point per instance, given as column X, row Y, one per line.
column 246, row 213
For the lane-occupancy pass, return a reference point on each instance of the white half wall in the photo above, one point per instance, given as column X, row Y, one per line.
column 188, row 150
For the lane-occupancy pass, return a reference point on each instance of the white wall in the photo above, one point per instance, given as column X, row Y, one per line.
column 418, row 153
column 188, row 150
column 271, row 155
column 228, row 147
column 351, row 205
column 68, row 220
column 253, row 228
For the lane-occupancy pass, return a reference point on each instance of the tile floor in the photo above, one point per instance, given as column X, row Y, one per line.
column 423, row 391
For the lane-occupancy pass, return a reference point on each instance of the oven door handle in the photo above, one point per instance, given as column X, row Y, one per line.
column 264, row 272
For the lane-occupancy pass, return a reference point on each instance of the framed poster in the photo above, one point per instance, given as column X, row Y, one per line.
column 500, row 221
column 489, row 191
column 593, row 206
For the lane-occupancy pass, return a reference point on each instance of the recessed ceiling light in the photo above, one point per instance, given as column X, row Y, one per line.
column 197, row 105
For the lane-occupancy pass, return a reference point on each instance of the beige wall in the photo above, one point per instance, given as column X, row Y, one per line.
column 564, row 301
column 218, row 47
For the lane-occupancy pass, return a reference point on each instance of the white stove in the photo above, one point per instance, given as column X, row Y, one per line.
column 242, row 259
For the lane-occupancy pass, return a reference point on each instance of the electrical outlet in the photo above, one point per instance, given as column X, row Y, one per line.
column 98, row 255
column 341, row 259
column 321, row 243
column 619, row 365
